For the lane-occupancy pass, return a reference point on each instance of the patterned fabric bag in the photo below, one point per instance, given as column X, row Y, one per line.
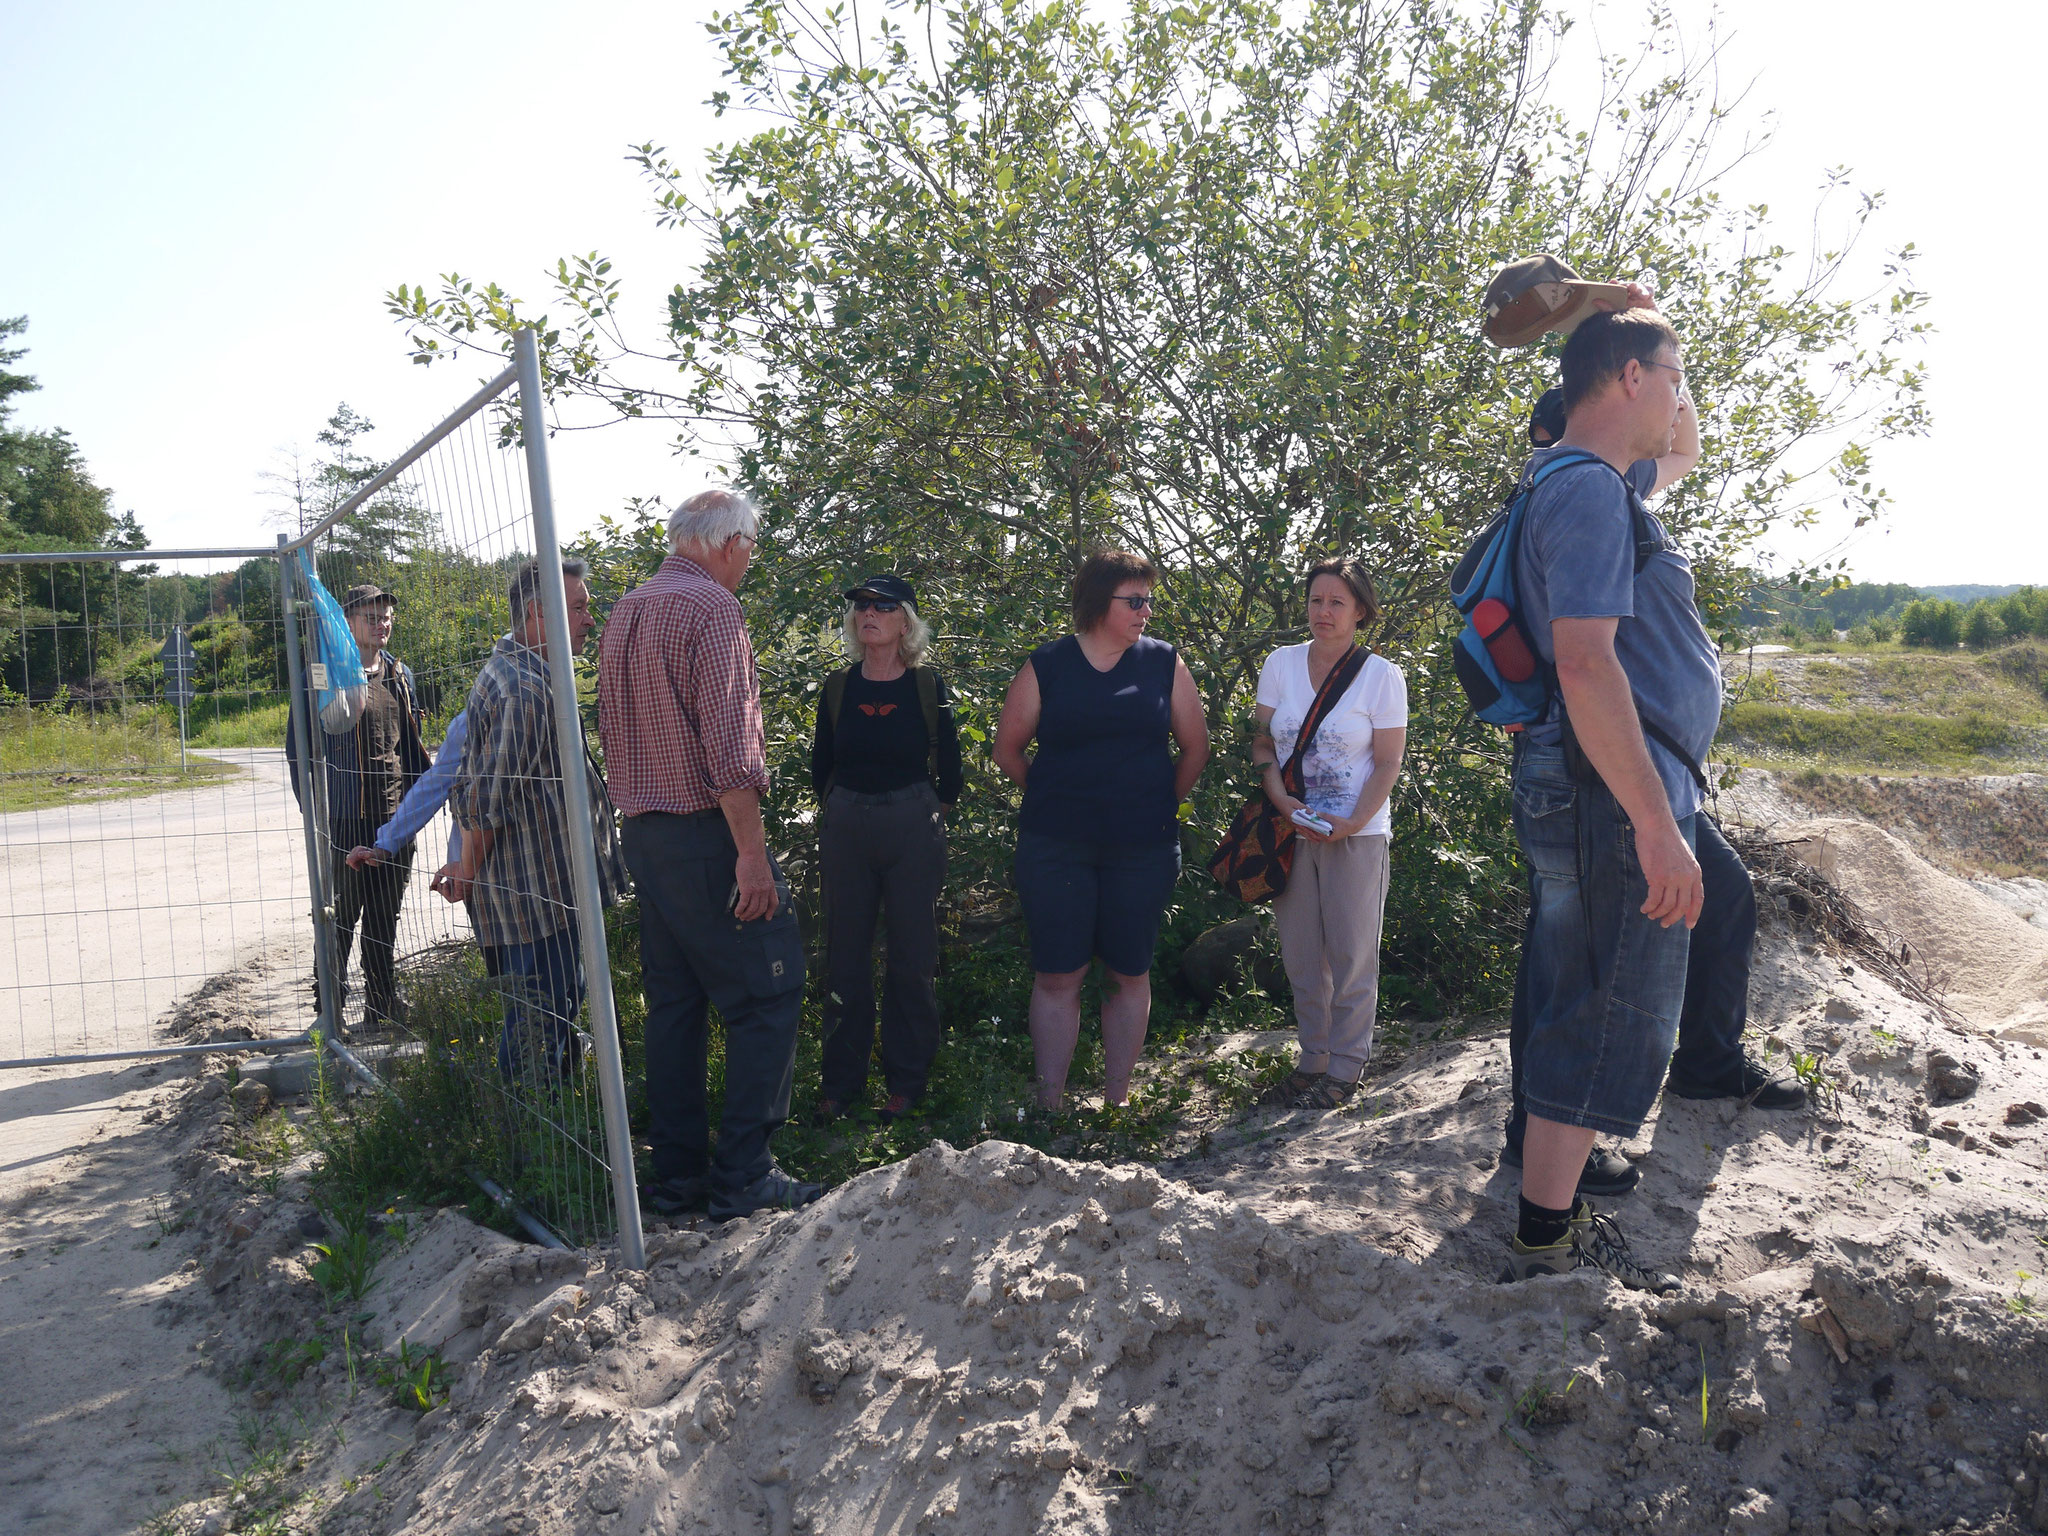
column 1256, row 853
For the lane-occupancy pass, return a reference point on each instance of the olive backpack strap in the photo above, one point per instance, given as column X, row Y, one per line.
column 835, row 700
column 928, row 701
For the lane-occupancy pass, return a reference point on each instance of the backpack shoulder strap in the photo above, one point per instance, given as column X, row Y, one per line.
column 835, row 694
column 928, row 701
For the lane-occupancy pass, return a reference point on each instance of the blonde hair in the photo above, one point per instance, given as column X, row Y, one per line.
column 917, row 637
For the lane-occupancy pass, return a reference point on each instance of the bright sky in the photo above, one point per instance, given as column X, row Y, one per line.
column 204, row 205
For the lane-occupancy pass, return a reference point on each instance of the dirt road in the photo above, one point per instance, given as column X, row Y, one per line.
column 117, row 910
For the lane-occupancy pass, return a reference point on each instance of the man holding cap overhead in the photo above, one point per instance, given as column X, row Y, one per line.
column 1608, row 786
column 373, row 755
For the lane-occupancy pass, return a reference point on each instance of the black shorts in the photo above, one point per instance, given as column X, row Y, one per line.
column 1084, row 899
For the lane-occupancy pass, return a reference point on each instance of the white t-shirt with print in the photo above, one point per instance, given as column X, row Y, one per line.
column 1339, row 761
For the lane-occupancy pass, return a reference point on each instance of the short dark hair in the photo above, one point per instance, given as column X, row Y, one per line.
column 1355, row 576
column 1605, row 343
column 1096, row 582
column 525, row 587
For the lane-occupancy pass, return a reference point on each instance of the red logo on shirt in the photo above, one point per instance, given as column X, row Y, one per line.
column 876, row 709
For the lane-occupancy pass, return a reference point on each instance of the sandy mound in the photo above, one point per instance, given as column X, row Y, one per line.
column 1991, row 964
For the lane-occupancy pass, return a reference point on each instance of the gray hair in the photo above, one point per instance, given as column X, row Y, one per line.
column 917, row 637
column 525, row 588
column 709, row 519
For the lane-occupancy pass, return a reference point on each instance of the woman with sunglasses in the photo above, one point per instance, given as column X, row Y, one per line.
column 885, row 764
column 1098, row 843
column 1329, row 915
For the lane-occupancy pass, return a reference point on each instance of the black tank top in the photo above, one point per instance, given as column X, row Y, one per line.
column 1103, row 772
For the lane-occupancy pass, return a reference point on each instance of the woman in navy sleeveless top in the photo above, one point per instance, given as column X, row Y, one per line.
column 1098, row 845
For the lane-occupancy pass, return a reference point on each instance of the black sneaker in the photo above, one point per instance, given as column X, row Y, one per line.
column 675, row 1197
column 1607, row 1174
column 773, row 1191
column 1751, row 1081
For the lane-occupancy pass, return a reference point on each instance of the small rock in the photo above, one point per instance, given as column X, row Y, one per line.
column 2024, row 1113
column 1756, row 1513
column 1314, row 1481
column 1847, row 1515
column 1950, row 1077
column 1213, row 958
column 1970, row 1473
column 1842, row 1010
column 250, row 1097
column 531, row 1326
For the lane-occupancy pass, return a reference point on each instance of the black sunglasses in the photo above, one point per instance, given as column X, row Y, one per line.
column 879, row 604
column 1136, row 601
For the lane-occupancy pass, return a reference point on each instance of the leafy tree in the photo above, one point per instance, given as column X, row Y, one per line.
column 988, row 285
column 1932, row 621
column 1982, row 626
column 384, row 530
column 58, row 623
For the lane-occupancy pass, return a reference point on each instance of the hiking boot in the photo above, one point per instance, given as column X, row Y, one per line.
column 1602, row 1246
column 1324, row 1094
column 1293, row 1087
column 825, row 1111
column 1607, row 1174
column 674, row 1197
column 894, row 1108
column 773, row 1191
column 1751, row 1081
column 1595, row 1242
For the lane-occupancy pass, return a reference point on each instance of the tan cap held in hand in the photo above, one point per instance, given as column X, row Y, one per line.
column 1539, row 294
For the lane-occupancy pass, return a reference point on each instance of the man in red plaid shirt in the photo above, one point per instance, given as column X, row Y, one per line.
column 679, row 712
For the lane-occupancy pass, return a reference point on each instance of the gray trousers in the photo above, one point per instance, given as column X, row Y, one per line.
column 881, row 854
column 695, row 954
column 1329, row 921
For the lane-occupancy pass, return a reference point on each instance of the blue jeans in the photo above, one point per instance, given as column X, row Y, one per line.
column 1604, row 985
column 542, row 984
column 1717, row 965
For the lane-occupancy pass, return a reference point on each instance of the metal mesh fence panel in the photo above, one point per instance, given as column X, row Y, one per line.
column 464, row 983
column 151, row 866
column 231, row 783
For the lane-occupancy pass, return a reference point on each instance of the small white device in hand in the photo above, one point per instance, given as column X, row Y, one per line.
column 1304, row 817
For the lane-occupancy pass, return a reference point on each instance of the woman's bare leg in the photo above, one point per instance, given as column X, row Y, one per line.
column 1126, row 1013
column 1055, row 1027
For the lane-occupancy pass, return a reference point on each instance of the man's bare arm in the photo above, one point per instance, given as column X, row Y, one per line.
column 757, row 896
column 1603, row 715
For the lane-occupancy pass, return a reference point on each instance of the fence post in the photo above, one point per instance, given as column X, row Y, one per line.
column 311, row 768
column 576, row 807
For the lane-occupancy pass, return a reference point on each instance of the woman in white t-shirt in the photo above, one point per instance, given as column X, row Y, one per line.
column 1329, row 915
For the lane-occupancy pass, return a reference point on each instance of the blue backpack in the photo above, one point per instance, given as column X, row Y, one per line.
column 1504, row 676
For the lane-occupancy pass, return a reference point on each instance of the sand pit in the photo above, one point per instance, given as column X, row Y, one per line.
column 1301, row 1333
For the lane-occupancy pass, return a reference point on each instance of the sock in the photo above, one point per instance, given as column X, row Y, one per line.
column 1540, row 1227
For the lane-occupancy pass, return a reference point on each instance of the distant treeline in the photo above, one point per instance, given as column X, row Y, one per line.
column 1941, row 617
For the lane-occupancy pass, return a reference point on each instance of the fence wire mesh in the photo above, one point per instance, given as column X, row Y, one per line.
column 191, row 753
column 468, row 998
column 154, row 885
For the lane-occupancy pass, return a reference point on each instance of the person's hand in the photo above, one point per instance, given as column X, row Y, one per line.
column 1341, row 827
column 757, row 898
column 358, row 857
column 1640, row 297
column 449, row 884
column 1673, row 875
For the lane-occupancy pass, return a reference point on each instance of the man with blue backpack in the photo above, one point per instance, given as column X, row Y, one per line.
column 1583, row 632
column 1709, row 1062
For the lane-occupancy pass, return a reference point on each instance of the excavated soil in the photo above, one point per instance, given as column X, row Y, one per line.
column 1302, row 1332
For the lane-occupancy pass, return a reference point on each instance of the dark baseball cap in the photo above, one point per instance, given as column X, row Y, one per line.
column 367, row 592
column 890, row 588
column 1539, row 294
column 1548, row 417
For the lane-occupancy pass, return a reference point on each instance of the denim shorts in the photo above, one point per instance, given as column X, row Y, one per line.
column 1087, row 899
column 1605, row 983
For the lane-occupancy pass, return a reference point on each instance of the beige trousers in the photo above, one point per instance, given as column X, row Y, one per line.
column 1329, row 920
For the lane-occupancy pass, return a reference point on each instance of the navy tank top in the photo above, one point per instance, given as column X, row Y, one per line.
column 1103, row 773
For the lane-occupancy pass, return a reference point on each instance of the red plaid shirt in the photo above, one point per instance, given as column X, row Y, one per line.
column 678, row 701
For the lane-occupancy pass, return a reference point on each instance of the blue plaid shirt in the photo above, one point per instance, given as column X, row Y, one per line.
column 510, row 784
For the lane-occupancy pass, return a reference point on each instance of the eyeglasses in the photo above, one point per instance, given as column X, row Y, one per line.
column 1653, row 363
column 879, row 604
column 1137, row 602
